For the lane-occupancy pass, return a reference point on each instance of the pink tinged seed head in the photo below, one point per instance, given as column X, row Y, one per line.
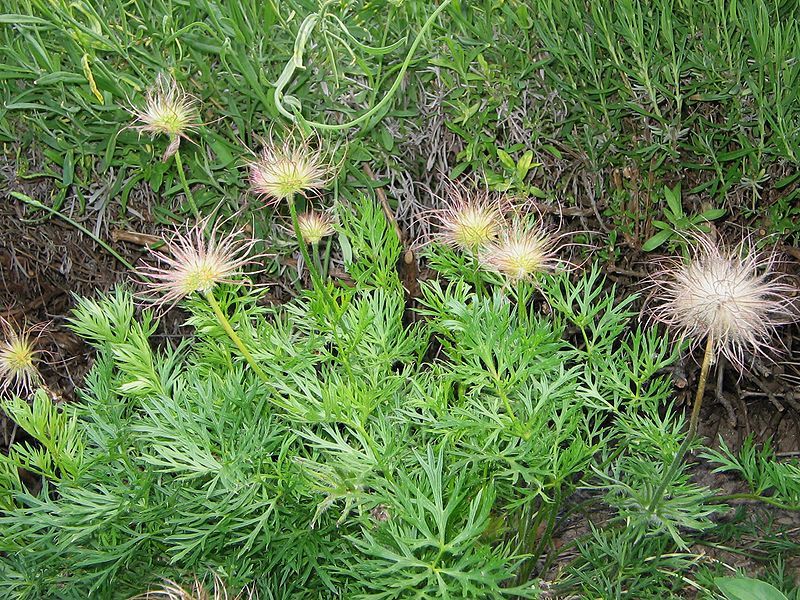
column 190, row 262
column 730, row 294
column 468, row 223
column 283, row 171
column 314, row 226
column 168, row 110
column 522, row 251
column 18, row 358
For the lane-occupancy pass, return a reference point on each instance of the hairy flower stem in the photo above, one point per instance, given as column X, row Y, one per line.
column 317, row 282
column 504, row 397
column 546, row 538
column 316, row 279
column 317, row 259
column 522, row 303
column 684, row 447
column 185, row 184
column 326, row 267
column 507, row 404
column 480, row 290
column 226, row 325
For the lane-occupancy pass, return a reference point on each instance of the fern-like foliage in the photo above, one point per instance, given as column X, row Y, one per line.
column 766, row 475
column 370, row 459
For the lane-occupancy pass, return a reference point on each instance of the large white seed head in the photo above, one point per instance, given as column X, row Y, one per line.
column 731, row 294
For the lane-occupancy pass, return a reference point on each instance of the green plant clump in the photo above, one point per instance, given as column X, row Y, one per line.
column 366, row 457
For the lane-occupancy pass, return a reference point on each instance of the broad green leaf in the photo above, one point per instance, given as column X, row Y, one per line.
column 673, row 197
column 658, row 239
column 745, row 588
column 713, row 214
column 524, row 164
column 505, row 159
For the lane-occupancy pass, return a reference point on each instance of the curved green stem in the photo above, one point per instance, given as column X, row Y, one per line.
column 498, row 386
column 546, row 537
column 185, row 184
column 296, row 62
column 507, row 405
column 756, row 497
column 226, row 325
column 36, row 204
column 687, row 441
column 523, row 316
column 318, row 260
column 477, row 279
column 506, row 402
column 318, row 284
column 326, row 266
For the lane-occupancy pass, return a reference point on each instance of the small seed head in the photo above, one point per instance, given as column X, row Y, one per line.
column 522, row 251
column 168, row 110
column 283, row 171
column 18, row 358
column 469, row 223
column 190, row 263
column 730, row 294
column 314, row 226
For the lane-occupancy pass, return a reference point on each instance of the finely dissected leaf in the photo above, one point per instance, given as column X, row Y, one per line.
column 375, row 458
column 356, row 463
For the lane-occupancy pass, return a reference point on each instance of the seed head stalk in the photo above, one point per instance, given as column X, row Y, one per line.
column 318, row 260
column 523, row 314
column 185, row 184
column 226, row 325
column 693, row 419
column 316, row 278
column 506, row 402
column 501, row 392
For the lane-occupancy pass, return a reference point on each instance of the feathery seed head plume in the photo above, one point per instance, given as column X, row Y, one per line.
column 282, row 171
column 521, row 251
column 191, row 263
column 729, row 293
column 469, row 223
column 171, row 590
column 314, row 226
column 18, row 358
column 168, row 110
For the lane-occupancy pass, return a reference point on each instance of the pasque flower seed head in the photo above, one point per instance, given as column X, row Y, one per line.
column 469, row 223
column 729, row 293
column 191, row 263
column 521, row 251
column 168, row 110
column 18, row 358
column 289, row 169
column 196, row 590
column 314, row 226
